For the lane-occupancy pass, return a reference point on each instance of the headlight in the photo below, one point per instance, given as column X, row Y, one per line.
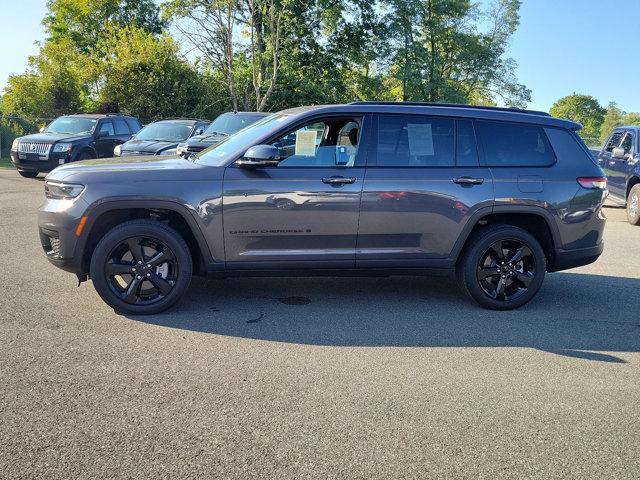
column 62, row 147
column 171, row 151
column 14, row 145
column 117, row 151
column 62, row 190
column 182, row 148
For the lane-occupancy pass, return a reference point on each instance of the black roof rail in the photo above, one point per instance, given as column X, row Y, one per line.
column 116, row 114
column 452, row 105
column 183, row 118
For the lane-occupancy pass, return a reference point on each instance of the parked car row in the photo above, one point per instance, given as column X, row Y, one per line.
column 497, row 196
column 71, row 138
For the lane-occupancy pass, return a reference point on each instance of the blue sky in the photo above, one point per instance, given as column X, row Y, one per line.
column 561, row 46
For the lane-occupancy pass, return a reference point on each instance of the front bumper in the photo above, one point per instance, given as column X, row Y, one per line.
column 35, row 163
column 57, row 224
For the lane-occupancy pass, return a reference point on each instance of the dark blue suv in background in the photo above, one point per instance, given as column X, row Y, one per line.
column 619, row 158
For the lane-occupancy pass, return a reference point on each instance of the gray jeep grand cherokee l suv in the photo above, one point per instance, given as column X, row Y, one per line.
column 498, row 196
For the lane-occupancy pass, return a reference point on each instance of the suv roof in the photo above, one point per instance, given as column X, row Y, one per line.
column 443, row 109
column 180, row 120
column 98, row 115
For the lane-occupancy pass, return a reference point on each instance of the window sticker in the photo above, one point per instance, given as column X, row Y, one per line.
column 420, row 139
column 306, row 143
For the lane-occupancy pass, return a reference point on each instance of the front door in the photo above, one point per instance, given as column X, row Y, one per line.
column 302, row 213
column 612, row 166
column 106, row 139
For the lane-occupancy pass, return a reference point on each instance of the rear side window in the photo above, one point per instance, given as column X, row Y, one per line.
column 514, row 145
column 134, row 124
column 415, row 141
column 121, row 127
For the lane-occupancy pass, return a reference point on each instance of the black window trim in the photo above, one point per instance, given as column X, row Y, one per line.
column 480, row 143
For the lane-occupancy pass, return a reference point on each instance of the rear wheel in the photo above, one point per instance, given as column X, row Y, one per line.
column 502, row 267
column 84, row 156
column 633, row 205
column 141, row 267
column 27, row 174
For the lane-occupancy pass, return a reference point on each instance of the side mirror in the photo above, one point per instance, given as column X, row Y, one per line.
column 260, row 156
column 619, row 153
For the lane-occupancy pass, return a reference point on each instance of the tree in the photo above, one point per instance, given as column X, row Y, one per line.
column 83, row 22
column 613, row 118
column 583, row 109
column 143, row 75
column 450, row 50
column 631, row 118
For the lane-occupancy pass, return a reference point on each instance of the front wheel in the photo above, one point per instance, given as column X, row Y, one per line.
column 502, row 267
column 633, row 205
column 141, row 267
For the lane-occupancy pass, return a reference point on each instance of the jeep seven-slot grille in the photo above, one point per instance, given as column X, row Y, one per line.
column 34, row 147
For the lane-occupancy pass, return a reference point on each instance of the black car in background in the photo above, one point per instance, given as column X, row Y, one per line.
column 223, row 126
column 70, row 138
column 161, row 137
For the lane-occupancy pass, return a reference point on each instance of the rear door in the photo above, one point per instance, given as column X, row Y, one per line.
column 422, row 185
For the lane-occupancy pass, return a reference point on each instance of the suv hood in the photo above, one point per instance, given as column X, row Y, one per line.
column 147, row 146
column 133, row 169
column 45, row 137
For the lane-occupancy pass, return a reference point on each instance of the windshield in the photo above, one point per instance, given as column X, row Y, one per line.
column 231, row 122
column 165, row 132
column 72, row 125
column 236, row 144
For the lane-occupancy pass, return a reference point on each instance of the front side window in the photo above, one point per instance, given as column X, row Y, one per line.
column 627, row 143
column 329, row 143
column 514, row 144
column 72, row 125
column 415, row 141
column 106, row 129
column 614, row 141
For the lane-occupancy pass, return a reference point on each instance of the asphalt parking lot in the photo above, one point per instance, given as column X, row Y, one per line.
column 317, row 378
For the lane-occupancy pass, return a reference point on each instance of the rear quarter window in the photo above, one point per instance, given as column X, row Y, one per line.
column 569, row 147
column 514, row 145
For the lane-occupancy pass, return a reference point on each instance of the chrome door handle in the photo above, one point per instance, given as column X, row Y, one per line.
column 338, row 180
column 468, row 181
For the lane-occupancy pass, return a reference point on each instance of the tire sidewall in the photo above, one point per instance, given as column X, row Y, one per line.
column 153, row 230
column 635, row 191
column 482, row 242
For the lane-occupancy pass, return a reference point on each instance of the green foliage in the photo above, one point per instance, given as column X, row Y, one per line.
column 583, row 109
column 631, row 118
column 614, row 117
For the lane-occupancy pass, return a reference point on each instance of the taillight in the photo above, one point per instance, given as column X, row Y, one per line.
column 593, row 182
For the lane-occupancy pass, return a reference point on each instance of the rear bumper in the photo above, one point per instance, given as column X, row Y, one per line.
column 566, row 259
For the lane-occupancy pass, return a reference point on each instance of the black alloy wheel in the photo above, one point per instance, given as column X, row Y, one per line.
column 506, row 270
column 141, row 267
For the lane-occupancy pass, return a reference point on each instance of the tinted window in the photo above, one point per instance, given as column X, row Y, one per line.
column 614, row 141
column 466, row 151
column 134, row 124
column 568, row 146
column 121, row 127
column 165, row 132
column 512, row 144
column 414, row 141
column 232, row 122
column 106, row 128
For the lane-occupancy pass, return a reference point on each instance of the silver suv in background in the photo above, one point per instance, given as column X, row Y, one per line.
column 498, row 196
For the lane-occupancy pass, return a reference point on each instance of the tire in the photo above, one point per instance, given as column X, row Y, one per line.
column 26, row 174
column 633, row 205
column 156, row 285
column 511, row 286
